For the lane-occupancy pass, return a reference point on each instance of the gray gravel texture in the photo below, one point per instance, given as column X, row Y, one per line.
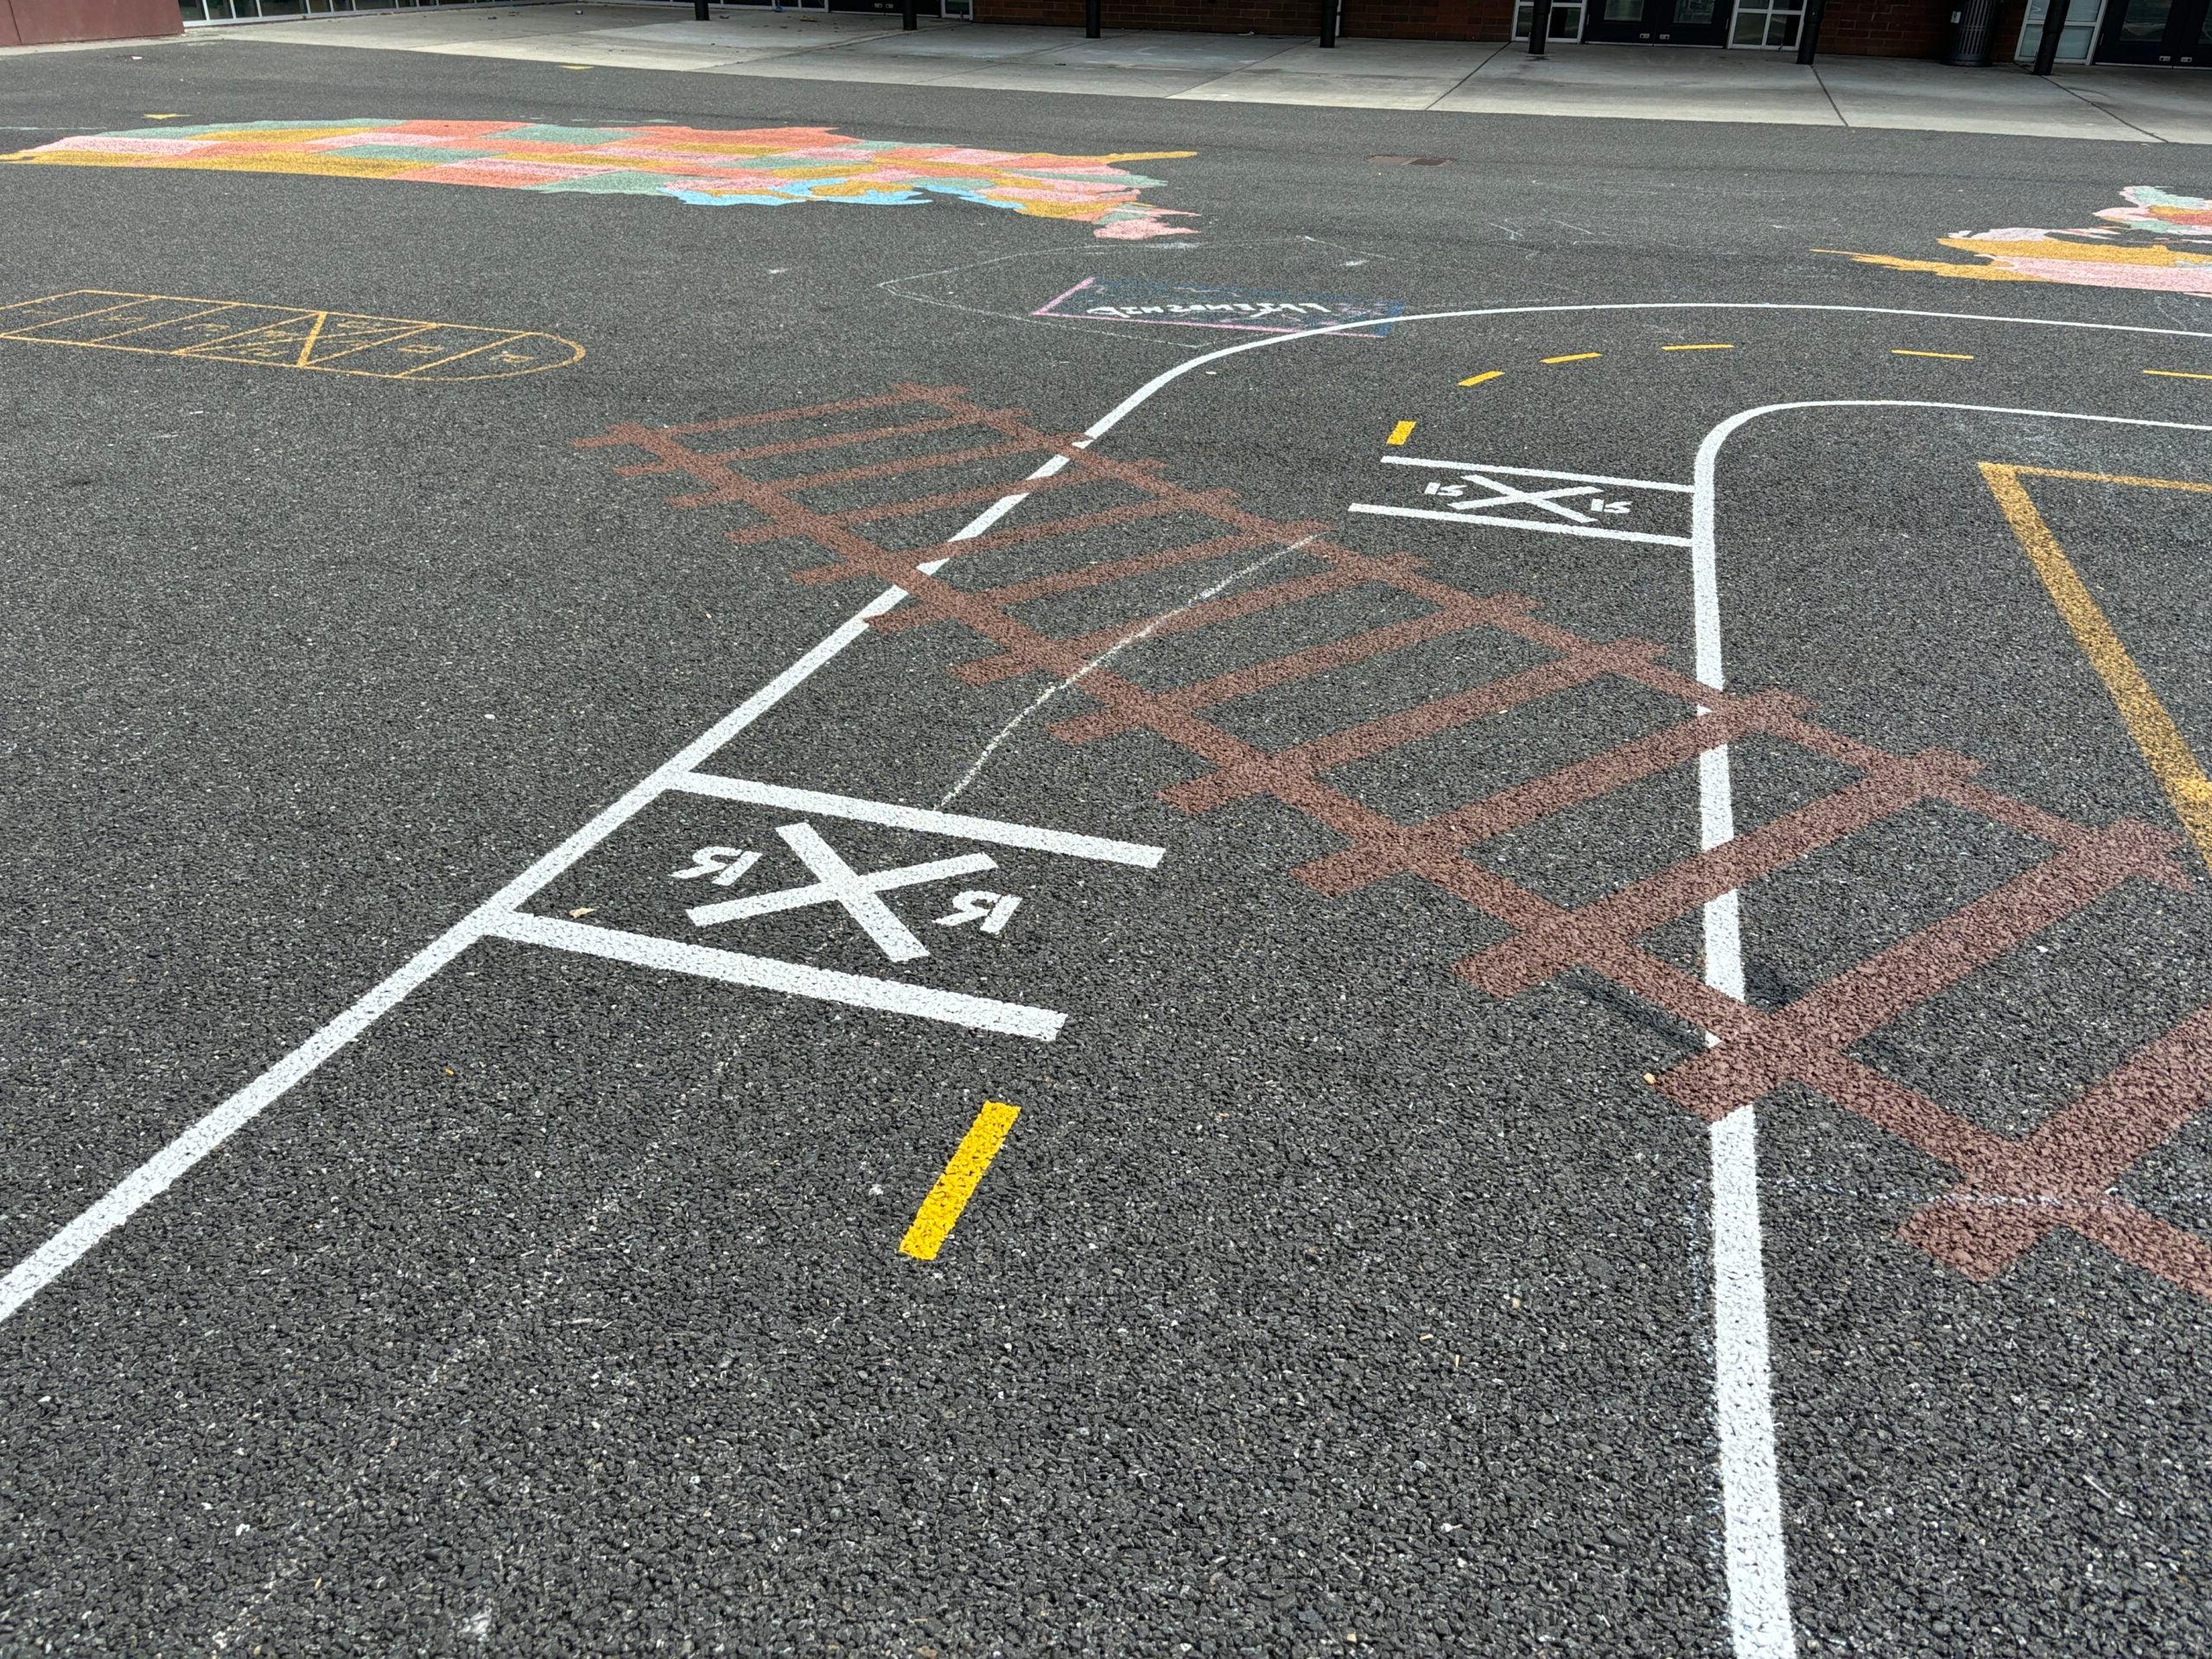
column 1318, row 1301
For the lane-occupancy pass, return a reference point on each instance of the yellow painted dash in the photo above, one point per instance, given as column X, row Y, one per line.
column 933, row 1221
column 1574, row 357
column 1477, row 379
column 2163, row 748
column 170, row 117
column 2177, row 374
column 1716, row 345
column 1949, row 357
column 1401, row 432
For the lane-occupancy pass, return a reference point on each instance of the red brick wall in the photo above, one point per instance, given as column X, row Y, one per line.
column 44, row 23
column 1886, row 28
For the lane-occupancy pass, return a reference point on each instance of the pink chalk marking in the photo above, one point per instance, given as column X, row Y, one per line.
column 1045, row 309
column 490, row 170
column 131, row 146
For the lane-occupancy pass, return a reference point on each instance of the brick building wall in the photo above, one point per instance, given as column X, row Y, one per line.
column 1885, row 28
column 45, row 23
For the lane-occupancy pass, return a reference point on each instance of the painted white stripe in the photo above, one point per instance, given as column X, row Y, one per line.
column 151, row 1179
column 1754, row 1545
column 1541, row 526
column 990, row 830
column 158, row 1174
column 1535, row 472
column 59, row 1252
column 795, row 979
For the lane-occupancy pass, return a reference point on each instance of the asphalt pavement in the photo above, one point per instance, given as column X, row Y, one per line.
column 1402, row 1244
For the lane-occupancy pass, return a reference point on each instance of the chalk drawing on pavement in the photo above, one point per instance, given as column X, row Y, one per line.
column 1260, row 311
column 2157, row 240
column 752, row 166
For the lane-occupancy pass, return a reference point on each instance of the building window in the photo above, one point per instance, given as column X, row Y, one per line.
column 1566, row 20
column 1767, row 28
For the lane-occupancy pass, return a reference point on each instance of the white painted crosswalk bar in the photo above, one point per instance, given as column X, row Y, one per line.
column 1537, row 472
column 793, row 979
column 1599, row 532
column 997, row 833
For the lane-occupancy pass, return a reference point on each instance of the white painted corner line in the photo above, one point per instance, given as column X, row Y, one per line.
column 1753, row 1542
column 497, row 915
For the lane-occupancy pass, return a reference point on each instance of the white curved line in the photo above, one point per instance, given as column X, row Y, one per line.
column 1757, row 1628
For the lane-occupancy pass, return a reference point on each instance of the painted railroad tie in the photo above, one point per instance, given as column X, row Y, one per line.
column 2009, row 1191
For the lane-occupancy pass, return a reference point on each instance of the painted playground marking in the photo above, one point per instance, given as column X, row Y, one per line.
column 284, row 336
column 1760, row 1616
column 1250, row 310
column 963, row 1173
column 754, row 166
column 2163, row 748
column 849, row 899
column 1578, row 503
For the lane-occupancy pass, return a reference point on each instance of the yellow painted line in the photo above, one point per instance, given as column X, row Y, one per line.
column 933, row 1221
column 1401, row 432
column 1716, row 347
column 1948, row 357
column 1574, row 357
column 2166, row 751
column 307, row 346
column 1477, row 379
column 2177, row 374
column 270, row 320
column 172, row 116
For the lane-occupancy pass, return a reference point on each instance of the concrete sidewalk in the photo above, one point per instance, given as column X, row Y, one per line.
column 1646, row 83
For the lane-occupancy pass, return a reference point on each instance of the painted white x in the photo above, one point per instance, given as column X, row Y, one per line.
column 838, row 883
column 1509, row 494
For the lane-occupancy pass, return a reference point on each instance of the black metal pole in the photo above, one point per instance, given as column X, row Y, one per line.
column 1091, row 20
column 2054, row 20
column 1539, row 26
column 906, row 18
column 1328, row 22
column 699, row 10
column 1808, row 32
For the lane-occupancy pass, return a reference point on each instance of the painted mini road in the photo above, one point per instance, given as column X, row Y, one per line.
column 1535, row 983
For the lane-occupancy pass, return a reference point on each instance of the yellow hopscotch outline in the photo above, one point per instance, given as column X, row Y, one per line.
column 2163, row 748
column 933, row 1221
column 208, row 349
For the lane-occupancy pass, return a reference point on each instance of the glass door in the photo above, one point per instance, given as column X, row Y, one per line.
column 2073, row 40
column 1675, row 22
column 2176, row 32
column 1566, row 20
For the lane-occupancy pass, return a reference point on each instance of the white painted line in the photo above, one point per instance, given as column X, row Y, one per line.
column 1757, row 1564
column 1596, row 531
column 154, row 1177
column 794, row 979
column 1757, row 1556
column 959, row 825
column 158, row 1174
column 838, row 883
column 1536, row 472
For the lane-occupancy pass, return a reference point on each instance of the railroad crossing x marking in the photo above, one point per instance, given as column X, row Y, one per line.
column 1510, row 495
column 838, row 883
